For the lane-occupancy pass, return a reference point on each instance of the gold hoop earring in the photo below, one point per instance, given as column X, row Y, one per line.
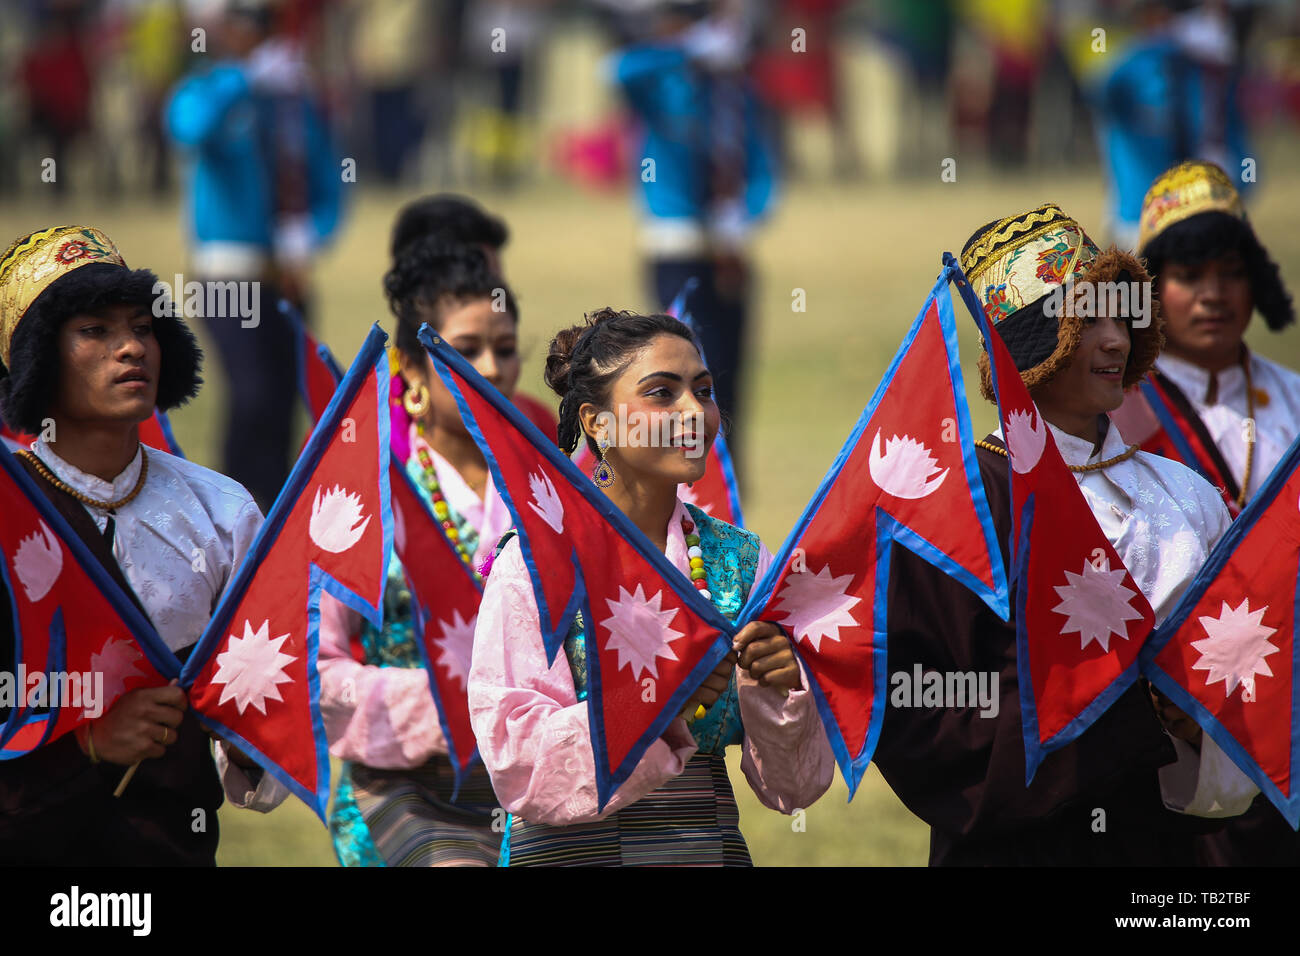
column 603, row 475
column 416, row 401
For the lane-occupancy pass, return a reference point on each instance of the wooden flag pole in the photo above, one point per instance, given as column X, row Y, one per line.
column 126, row 778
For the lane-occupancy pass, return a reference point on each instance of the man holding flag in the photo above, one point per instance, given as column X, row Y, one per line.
column 1105, row 787
column 83, row 352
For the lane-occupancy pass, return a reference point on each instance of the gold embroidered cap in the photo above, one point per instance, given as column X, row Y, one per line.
column 31, row 264
column 1187, row 190
column 1014, row 264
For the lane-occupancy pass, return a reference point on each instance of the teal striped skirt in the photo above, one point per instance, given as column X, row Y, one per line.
column 407, row 817
column 692, row 820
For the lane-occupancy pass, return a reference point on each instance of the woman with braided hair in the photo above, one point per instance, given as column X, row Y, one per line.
column 677, row 807
column 394, row 803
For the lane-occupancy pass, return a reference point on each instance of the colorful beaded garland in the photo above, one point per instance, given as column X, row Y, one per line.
column 698, row 574
column 442, row 512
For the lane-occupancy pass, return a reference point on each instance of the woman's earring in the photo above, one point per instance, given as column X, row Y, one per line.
column 603, row 475
column 416, row 401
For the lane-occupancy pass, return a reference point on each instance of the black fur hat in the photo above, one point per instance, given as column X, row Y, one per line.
column 30, row 379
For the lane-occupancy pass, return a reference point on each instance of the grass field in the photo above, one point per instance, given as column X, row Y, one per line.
column 865, row 256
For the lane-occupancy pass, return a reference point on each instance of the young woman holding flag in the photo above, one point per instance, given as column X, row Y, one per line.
column 86, row 360
column 531, row 719
column 1124, row 790
column 396, row 802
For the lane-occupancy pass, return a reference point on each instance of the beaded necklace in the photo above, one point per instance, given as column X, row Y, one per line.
column 86, row 499
column 698, row 574
column 442, row 511
column 1077, row 469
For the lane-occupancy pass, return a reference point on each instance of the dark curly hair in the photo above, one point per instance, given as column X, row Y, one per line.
column 1209, row 235
column 430, row 270
column 30, row 383
column 584, row 360
column 450, row 217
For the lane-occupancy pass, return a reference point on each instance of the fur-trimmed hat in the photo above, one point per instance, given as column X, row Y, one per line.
column 52, row 275
column 1192, row 213
column 1015, row 264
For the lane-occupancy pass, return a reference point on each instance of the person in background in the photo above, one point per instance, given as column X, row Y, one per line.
column 706, row 168
column 458, row 219
column 1218, row 397
column 265, row 187
column 1172, row 94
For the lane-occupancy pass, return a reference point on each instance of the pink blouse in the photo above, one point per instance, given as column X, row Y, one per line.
column 534, row 736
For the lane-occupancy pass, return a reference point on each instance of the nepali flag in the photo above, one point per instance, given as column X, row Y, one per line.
column 252, row 677
column 716, row 492
column 906, row 474
column 651, row 638
column 445, row 594
column 318, row 372
column 155, row 431
column 57, row 588
column 1227, row 654
column 1080, row 618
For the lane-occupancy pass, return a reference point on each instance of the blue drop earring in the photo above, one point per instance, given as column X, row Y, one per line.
column 603, row 475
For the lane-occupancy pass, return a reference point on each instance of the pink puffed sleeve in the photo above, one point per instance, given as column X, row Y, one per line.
column 378, row 716
column 787, row 759
column 532, row 732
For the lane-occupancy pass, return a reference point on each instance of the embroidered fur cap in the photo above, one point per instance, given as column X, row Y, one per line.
column 1018, row 265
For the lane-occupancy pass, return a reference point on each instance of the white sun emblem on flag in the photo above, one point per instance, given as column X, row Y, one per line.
column 251, row 667
column 116, row 661
column 816, row 605
column 639, row 631
column 334, row 520
column 456, row 645
column 1235, row 649
column 1096, row 604
column 38, row 561
column 546, row 502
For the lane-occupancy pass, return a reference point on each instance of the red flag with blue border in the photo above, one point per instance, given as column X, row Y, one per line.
column 1227, row 653
column 1080, row 617
column 68, row 617
column 907, row 474
column 252, row 677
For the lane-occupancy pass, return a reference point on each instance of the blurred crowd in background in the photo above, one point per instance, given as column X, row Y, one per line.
column 256, row 113
column 455, row 92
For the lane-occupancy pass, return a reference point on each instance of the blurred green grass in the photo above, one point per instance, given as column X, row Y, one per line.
column 864, row 256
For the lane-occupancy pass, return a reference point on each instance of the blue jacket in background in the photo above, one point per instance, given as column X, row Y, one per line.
column 672, row 99
column 224, row 127
column 1151, row 117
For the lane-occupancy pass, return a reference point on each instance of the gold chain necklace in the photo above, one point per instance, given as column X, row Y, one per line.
column 86, row 499
column 1077, row 469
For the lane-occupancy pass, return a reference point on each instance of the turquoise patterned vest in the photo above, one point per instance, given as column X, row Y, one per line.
column 730, row 560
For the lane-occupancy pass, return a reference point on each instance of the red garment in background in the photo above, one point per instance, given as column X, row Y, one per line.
column 55, row 75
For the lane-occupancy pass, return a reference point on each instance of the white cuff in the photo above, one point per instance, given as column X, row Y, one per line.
column 1208, row 784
